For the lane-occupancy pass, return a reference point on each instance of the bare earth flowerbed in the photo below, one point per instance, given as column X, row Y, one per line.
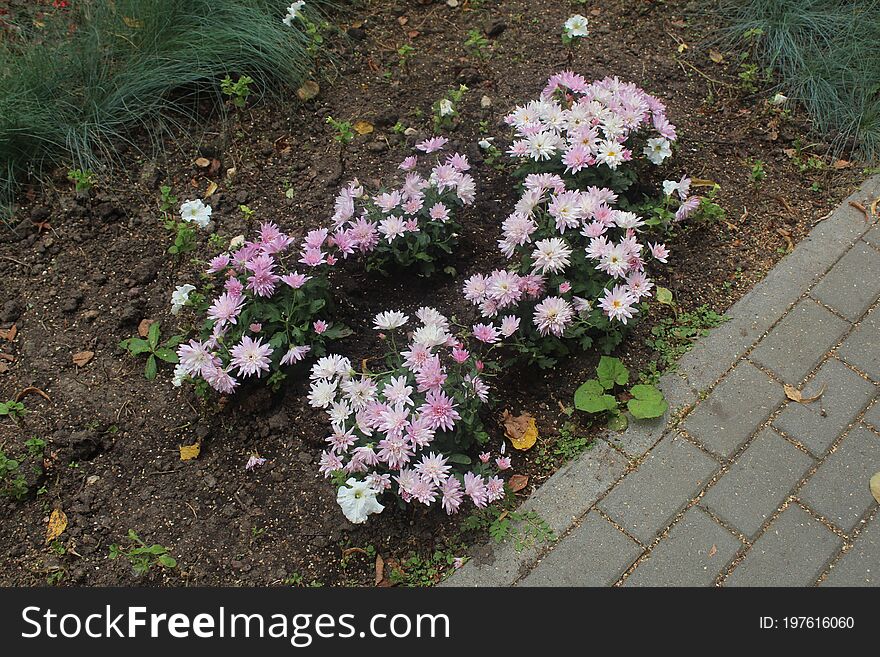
column 79, row 274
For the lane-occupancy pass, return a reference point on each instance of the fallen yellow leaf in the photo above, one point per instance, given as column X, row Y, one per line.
column 363, row 127
column 133, row 23
column 716, row 56
column 308, row 90
column 875, row 486
column 212, row 187
column 189, row 452
column 702, row 182
column 57, row 525
column 520, row 429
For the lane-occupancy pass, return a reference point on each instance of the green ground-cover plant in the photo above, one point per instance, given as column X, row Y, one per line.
column 141, row 556
column 154, row 350
column 825, row 54
column 594, row 396
column 74, row 84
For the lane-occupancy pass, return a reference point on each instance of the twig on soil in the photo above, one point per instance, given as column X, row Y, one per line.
column 708, row 77
column 31, row 390
column 18, row 262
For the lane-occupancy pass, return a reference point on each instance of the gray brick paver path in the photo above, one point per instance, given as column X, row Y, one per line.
column 700, row 502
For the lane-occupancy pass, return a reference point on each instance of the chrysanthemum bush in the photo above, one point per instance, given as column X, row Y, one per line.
column 410, row 225
column 270, row 312
column 577, row 271
column 405, row 432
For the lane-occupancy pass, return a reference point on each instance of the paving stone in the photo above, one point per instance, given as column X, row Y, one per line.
column 646, row 501
column 839, row 489
column 872, row 416
column 873, row 236
column 766, row 302
column 641, row 435
column 758, row 482
column 853, row 284
column 792, row 552
column 796, row 345
column 694, row 553
column 565, row 496
column 818, row 424
column 862, row 347
column 861, row 565
column 594, row 554
column 734, row 410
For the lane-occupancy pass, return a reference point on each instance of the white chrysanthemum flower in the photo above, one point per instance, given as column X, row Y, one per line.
column 196, row 212
column 390, row 320
column 330, row 367
column 180, row 296
column 551, row 255
column 322, row 393
column 357, row 499
column 180, row 373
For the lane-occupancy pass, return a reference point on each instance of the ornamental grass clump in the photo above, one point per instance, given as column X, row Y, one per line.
column 403, row 432
column 413, row 224
column 578, row 256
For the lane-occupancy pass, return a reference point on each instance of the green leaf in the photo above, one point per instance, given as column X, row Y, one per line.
column 618, row 422
column 647, row 402
column 591, row 398
column 168, row 562
column 664, row 296
column 153, row 334
column 150, row 369
column 135, row 346
column 168, row 355
column 462, row 459
column 611, row 371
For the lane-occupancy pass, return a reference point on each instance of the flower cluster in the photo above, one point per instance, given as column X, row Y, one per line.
column 404, row 431
column 578, row 261
column 587, row 131
column 269, row 314
column 410, row 224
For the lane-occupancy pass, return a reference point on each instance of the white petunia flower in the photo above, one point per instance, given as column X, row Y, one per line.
column 294, row 11
column 357, row 499
column 180, row 296
column 576, row 26
column 196, row 212
column 658, row 149
column 446, row 108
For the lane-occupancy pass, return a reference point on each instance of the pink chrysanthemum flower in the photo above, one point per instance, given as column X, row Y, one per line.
column 553, row 315
column 439, row 410
column 434, row 468
column 487, row 333
column 659, row 252
column 195, row 357
column 432, row 145
column 475, row 488
column 295, row 354
column 218, row 263
column 251, row 356
column 226, row 308
column 452, row 495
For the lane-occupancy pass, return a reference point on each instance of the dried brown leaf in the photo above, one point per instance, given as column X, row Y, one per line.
column 144, row 327
column 9, row 334
column 518, row 482
column 875, row 486
column 380, row 569
column 796, row 395
column 520, row 429
column 203, row 162
column 308, row 90
column 82, row 358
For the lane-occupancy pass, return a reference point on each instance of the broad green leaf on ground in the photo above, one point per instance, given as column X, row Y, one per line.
column 611, row 371
column 647, row 402
column 591, row 398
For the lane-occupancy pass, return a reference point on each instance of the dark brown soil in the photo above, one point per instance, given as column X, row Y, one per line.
column 80, row 274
